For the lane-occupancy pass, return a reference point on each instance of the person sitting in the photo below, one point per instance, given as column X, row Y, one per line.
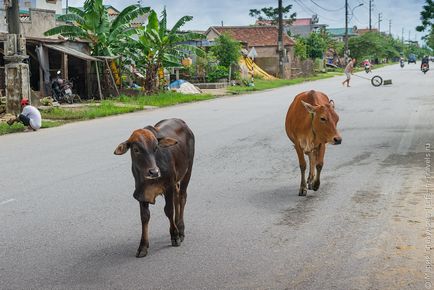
column 30, row 116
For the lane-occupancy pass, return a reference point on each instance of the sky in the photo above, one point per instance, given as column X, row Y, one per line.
column 404, row 14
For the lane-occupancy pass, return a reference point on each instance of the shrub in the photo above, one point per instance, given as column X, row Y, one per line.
column 219, row 72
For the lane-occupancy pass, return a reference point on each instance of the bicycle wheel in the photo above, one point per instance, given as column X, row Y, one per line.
column 376, row 81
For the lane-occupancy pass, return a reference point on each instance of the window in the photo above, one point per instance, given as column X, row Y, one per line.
column 51, row 1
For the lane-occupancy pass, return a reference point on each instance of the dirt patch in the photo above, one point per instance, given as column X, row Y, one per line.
column 409, row 160
column 357, row 160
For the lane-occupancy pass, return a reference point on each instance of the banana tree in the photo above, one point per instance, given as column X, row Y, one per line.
column 155, row 47
column 93, row 23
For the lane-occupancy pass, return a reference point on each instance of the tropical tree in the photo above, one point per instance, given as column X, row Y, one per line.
column 272, row 14
column 227, row 50
column 155, row 47
column 93, row 23
column 427, row 18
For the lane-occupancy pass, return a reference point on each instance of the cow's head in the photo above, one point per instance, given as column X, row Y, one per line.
column 144, row 144
column 324, row 122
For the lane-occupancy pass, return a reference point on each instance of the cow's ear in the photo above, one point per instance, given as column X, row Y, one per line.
column 166, row 142
column 122, row 148
column 332, row 103
column 311, row 109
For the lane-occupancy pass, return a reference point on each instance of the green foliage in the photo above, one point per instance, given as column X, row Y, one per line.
column 316, row 45
column 93, row 24
column 227, row 50
column 155, row 46
column 300, row 48
column 271, row 13
column 427, row 18
column 374, row 45
column 217, row 73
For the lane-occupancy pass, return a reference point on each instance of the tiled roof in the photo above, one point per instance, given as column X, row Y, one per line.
column 254, row 35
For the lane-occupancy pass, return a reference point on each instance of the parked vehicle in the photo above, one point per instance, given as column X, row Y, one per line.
column 62, row 90
column 411, row 58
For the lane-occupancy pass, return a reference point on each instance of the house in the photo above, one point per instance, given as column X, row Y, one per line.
column 264, row 40
column 55, row 5
column 50, row 54
column 300, row 26
column 339, row 33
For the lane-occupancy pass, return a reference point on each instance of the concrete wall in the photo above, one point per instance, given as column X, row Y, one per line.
column 268, row 60
column 39, row 22
column 55, row 5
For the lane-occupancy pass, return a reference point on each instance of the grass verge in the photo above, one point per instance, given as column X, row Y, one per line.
column 121, row 105
column 261, row 85
column 19, row 127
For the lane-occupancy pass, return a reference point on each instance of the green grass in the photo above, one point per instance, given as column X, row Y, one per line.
column 261, row 85
column 121, row 105
column 19, row 127
column 164, row 99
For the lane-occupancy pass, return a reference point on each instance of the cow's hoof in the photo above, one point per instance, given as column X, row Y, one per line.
column 309, row 186
column 302, row 192
column 141, row 253
column 315, row 186
column 176, row 242
column 181, row 238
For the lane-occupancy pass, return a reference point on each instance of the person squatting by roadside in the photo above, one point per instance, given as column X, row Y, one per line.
column 30, row 116
column 349, row 71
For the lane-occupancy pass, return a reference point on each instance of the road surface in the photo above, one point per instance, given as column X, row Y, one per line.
column 68, row 219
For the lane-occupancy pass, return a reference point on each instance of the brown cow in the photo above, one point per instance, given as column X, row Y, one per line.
column 162, row 160
column 311, row 124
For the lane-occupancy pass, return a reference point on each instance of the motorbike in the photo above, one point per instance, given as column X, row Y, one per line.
column 62, row 91
column 367, row 68
column 401, row 63
column 424, row 68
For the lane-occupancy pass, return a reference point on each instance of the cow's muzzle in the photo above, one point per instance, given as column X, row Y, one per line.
column 153, row 173
column 337, row 140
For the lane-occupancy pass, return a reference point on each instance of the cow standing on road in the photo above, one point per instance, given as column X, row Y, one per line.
column 162, row 161
column 310, row 124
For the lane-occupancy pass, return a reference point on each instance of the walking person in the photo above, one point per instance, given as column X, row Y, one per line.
column 349, row 71
column 30, row 116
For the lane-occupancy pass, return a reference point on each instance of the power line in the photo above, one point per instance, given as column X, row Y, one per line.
column 330, row 10
column 308, row 10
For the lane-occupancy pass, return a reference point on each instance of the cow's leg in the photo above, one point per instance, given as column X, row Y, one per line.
column 182, row 201
column 312, row 162
column 319, row 164
column 145, row 215
column 302, row 163
column 170, row 210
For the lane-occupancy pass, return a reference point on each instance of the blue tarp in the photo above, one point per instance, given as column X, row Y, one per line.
column 176, row 84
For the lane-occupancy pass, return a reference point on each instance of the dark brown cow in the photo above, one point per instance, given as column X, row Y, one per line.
column 311, row 124
column 162, row 160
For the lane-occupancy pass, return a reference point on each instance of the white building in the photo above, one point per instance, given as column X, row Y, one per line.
column 55, row 5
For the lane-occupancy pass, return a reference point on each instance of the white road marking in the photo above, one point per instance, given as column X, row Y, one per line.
column 7, row 201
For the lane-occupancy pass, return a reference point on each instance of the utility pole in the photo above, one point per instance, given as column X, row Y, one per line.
column 370, row 10
column 379, row 21
column 280, row 41
column 409, row 32
column 346, row 31
column 390, row 27
column 17, row 74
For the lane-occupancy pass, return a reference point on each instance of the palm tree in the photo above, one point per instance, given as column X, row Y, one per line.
column 92, row 23
column 156, row 47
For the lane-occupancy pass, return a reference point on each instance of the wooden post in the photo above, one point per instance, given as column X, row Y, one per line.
column 88, row 72
column 99, row 83
column 65, row 66
column 111, row 75
column 42, row 91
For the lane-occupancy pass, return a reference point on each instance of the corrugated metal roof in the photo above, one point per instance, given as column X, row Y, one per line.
column 71, row 51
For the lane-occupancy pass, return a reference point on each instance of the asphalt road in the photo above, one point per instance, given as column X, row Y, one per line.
column 68, row 219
